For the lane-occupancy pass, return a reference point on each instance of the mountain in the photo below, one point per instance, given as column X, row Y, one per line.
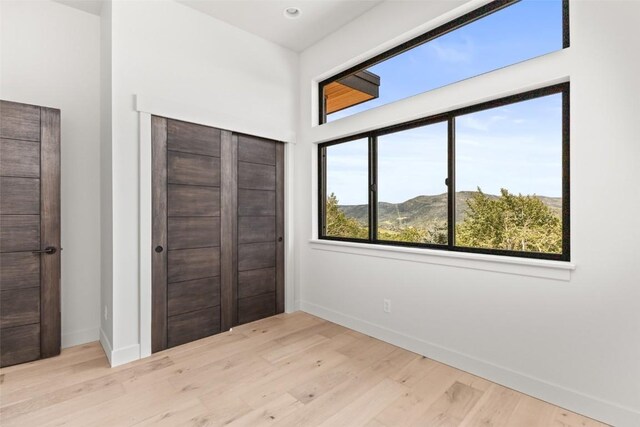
column 423, row 210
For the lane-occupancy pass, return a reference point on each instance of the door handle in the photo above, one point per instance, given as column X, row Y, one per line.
column 49, row 250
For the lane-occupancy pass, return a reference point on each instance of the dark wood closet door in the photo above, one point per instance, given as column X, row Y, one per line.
column 187, row 232
column 260, row 240
column 29, row 232
column 217, row 231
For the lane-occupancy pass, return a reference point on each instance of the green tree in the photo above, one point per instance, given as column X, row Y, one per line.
column 518, row 223
column 340, row 225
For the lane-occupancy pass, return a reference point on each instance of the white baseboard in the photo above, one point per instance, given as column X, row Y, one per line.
column 71, row 339
column 119, row 356
column 106, row 345
column 572, row 400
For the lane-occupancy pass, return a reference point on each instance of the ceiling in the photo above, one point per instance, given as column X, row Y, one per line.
column 266, row 19
column 91, row 6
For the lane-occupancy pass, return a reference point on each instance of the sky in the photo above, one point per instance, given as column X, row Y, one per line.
column 517, row 147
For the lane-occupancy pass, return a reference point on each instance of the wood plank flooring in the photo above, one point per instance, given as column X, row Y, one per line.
column 287, row 370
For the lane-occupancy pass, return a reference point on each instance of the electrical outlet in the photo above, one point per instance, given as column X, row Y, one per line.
column 106, row 314
column 386, row 305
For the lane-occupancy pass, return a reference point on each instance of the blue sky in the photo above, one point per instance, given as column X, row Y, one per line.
column 517, row 146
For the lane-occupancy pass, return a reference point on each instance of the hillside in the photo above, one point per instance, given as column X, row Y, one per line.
column 423, row 210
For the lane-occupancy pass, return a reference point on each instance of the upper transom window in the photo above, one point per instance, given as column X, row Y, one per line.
column 499, row 34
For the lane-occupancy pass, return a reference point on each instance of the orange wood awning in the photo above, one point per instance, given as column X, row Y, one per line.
column 351, row 90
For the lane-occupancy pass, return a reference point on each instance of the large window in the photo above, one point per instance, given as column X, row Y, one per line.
column 491, row 178
column 412, row 195
column 499, row 34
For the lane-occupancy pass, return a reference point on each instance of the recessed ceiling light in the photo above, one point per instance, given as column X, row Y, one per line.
column 292, row 12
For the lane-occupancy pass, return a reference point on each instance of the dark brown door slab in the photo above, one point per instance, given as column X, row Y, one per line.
column 260, row 228
column 217, row 252
column 29, row 232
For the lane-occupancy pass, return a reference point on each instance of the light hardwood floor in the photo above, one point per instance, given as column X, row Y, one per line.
column 288, row 370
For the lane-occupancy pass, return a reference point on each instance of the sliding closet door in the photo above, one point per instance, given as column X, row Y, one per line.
column 260, row 228
column 187, row 231
column 217, row 204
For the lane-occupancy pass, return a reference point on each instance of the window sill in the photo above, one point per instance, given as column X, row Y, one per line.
column 556, row 270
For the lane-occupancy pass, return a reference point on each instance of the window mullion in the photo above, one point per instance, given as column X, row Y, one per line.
column 566, row 184
column 373, row 188
column 451, row 183
column 322, row 190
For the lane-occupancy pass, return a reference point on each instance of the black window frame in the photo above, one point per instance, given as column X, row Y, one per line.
column 450, row 117
column 459, row 22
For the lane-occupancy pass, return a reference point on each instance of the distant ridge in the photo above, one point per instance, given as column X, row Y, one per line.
column 423, row 210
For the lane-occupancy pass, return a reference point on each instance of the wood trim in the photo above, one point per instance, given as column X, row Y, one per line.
column 50, row 328
column 159, row 234
column 280, row 237
column 229, row 230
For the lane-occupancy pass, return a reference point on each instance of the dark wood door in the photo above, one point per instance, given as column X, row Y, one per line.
column 186, row 210
column 260, row 279
column 203, row 243
column 29, row 232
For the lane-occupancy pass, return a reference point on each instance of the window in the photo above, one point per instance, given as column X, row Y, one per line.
column 412, row 194
column 347, row 187
column 499, row 34
column 509, row 177
column 491, row 178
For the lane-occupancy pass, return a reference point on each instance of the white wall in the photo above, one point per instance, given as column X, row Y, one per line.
column 575, row 343
column 106, row 205
column 50, row 56
column 165, row 50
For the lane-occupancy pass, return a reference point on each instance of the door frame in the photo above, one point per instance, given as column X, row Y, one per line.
column 149, row 106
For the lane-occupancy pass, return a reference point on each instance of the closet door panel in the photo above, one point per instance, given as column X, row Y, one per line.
column 256, row 229
column 256, row 203
column 192, row 295
column 184, row 168
column 258, row 307
column 258, row 218
column 256, row 255
column 189, row 308
column 189, row 200
column 189, row 264
column 256, row 282
column 193, row 232
column 257, row 177
column 193, row 138
column 256, row 150
column 192, row 326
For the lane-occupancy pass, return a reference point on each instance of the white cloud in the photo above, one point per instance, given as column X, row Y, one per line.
column 452, row 52
column 477, row 122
